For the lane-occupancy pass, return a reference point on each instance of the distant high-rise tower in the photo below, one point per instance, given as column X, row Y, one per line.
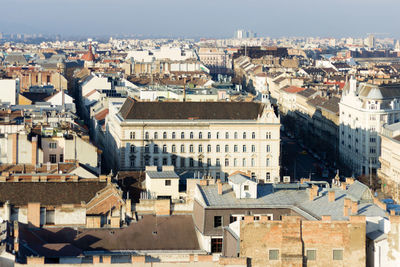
column 240, row 34
column 371, row 41
column 397, row 46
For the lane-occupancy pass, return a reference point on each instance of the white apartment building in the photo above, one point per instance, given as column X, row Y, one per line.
column 9, row 91
column 363, row 110
column 211, row 138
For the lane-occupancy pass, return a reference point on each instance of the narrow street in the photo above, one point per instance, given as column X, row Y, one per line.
column 300, row 162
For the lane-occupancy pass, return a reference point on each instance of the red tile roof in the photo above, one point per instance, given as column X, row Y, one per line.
column 293, row 89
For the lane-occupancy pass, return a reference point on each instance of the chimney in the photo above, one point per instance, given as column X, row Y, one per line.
column 34, row 150
column 347, row 202
column 354, row 208
column 313, row 192
column 350, row 180
column 14, row 148
column 331, row 196
column 219, row 187
column 343, row 186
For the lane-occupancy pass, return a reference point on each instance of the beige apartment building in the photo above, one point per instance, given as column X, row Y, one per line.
column 209, row 138
column 389, row 172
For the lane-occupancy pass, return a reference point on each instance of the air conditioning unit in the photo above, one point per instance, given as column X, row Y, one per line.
column 286, row 179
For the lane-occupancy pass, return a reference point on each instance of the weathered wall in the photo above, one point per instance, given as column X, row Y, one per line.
column 292, row 237
column 70, row 215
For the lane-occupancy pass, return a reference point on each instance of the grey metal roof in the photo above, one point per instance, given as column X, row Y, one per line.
column 239, row 178
column 377, row 236
column 372, row 91
column 357, row 190
column 162, row 175
column 297, row 200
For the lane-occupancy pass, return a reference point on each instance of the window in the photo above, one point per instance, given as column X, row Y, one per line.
column 173, row 135
column 132, row 163
column 253, row 135
column 146, row 135
column 311, row 254
column 246, row 188
column 200, row 162
column 217, row 135
column 155, row 161
column 191, row 162
column 132, row 148
column 253, row 148
column 226, row 162
column 244, row 148
column 155, row 149
column 164, row 135
column 337, row 254
column 235, row 148
column 372, row 150
column 226, row 148
column 268, row 148
column 132, row 135
column 217, row 221
column 273, row 254
column 244, row 162
column 155, row 135
column 218, row 175
column 182, row 148
column 173, row 161
column 53, row 145
column 244, row 135
column 53, row 158
column 372, row 139
column 209, row 148
column 191, row 135
column 217, row 162
column 216, row 245
column 191, row 148
column 235, row 162
column 147, row 149
column 226, row 135
column 167, row 182
column 268, row 135
column 235, row 135
column 200, row 148
column 268, row 176
column 218, row 148
column 232, row 219
column 183, row 162
column 253, row 162
column 61, row 157
column 164, row 149
column 200, row 135
column 209, row 135
column 267, row 162
column 208, row 162
column 165, row 161
column 173, row 148
column 182, row 135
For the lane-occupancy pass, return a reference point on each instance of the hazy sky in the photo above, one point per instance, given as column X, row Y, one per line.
column 202, row 18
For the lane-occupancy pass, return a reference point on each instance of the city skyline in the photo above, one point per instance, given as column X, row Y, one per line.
column 214, row 20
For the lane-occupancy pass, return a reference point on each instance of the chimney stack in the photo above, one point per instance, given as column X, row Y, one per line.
column 313, row 192
column 354, row 208
column 331, row 196
column 219, row 187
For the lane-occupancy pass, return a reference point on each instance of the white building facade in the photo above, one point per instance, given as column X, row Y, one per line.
column 210, row 138
column 363, row 110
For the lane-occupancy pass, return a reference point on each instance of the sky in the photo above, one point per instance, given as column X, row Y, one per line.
column 202, row 18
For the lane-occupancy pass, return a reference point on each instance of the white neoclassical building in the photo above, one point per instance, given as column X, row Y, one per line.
column 209, row 138
column 363, row 110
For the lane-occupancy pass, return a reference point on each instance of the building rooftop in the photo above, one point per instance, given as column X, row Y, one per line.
column 296, row 199
column 134, row 110
column 162, row 174
column 150, row 233
column 49, row 193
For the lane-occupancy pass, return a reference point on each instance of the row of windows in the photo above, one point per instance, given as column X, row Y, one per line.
column 156, row 148
column 199, row 135
column 227, row 163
